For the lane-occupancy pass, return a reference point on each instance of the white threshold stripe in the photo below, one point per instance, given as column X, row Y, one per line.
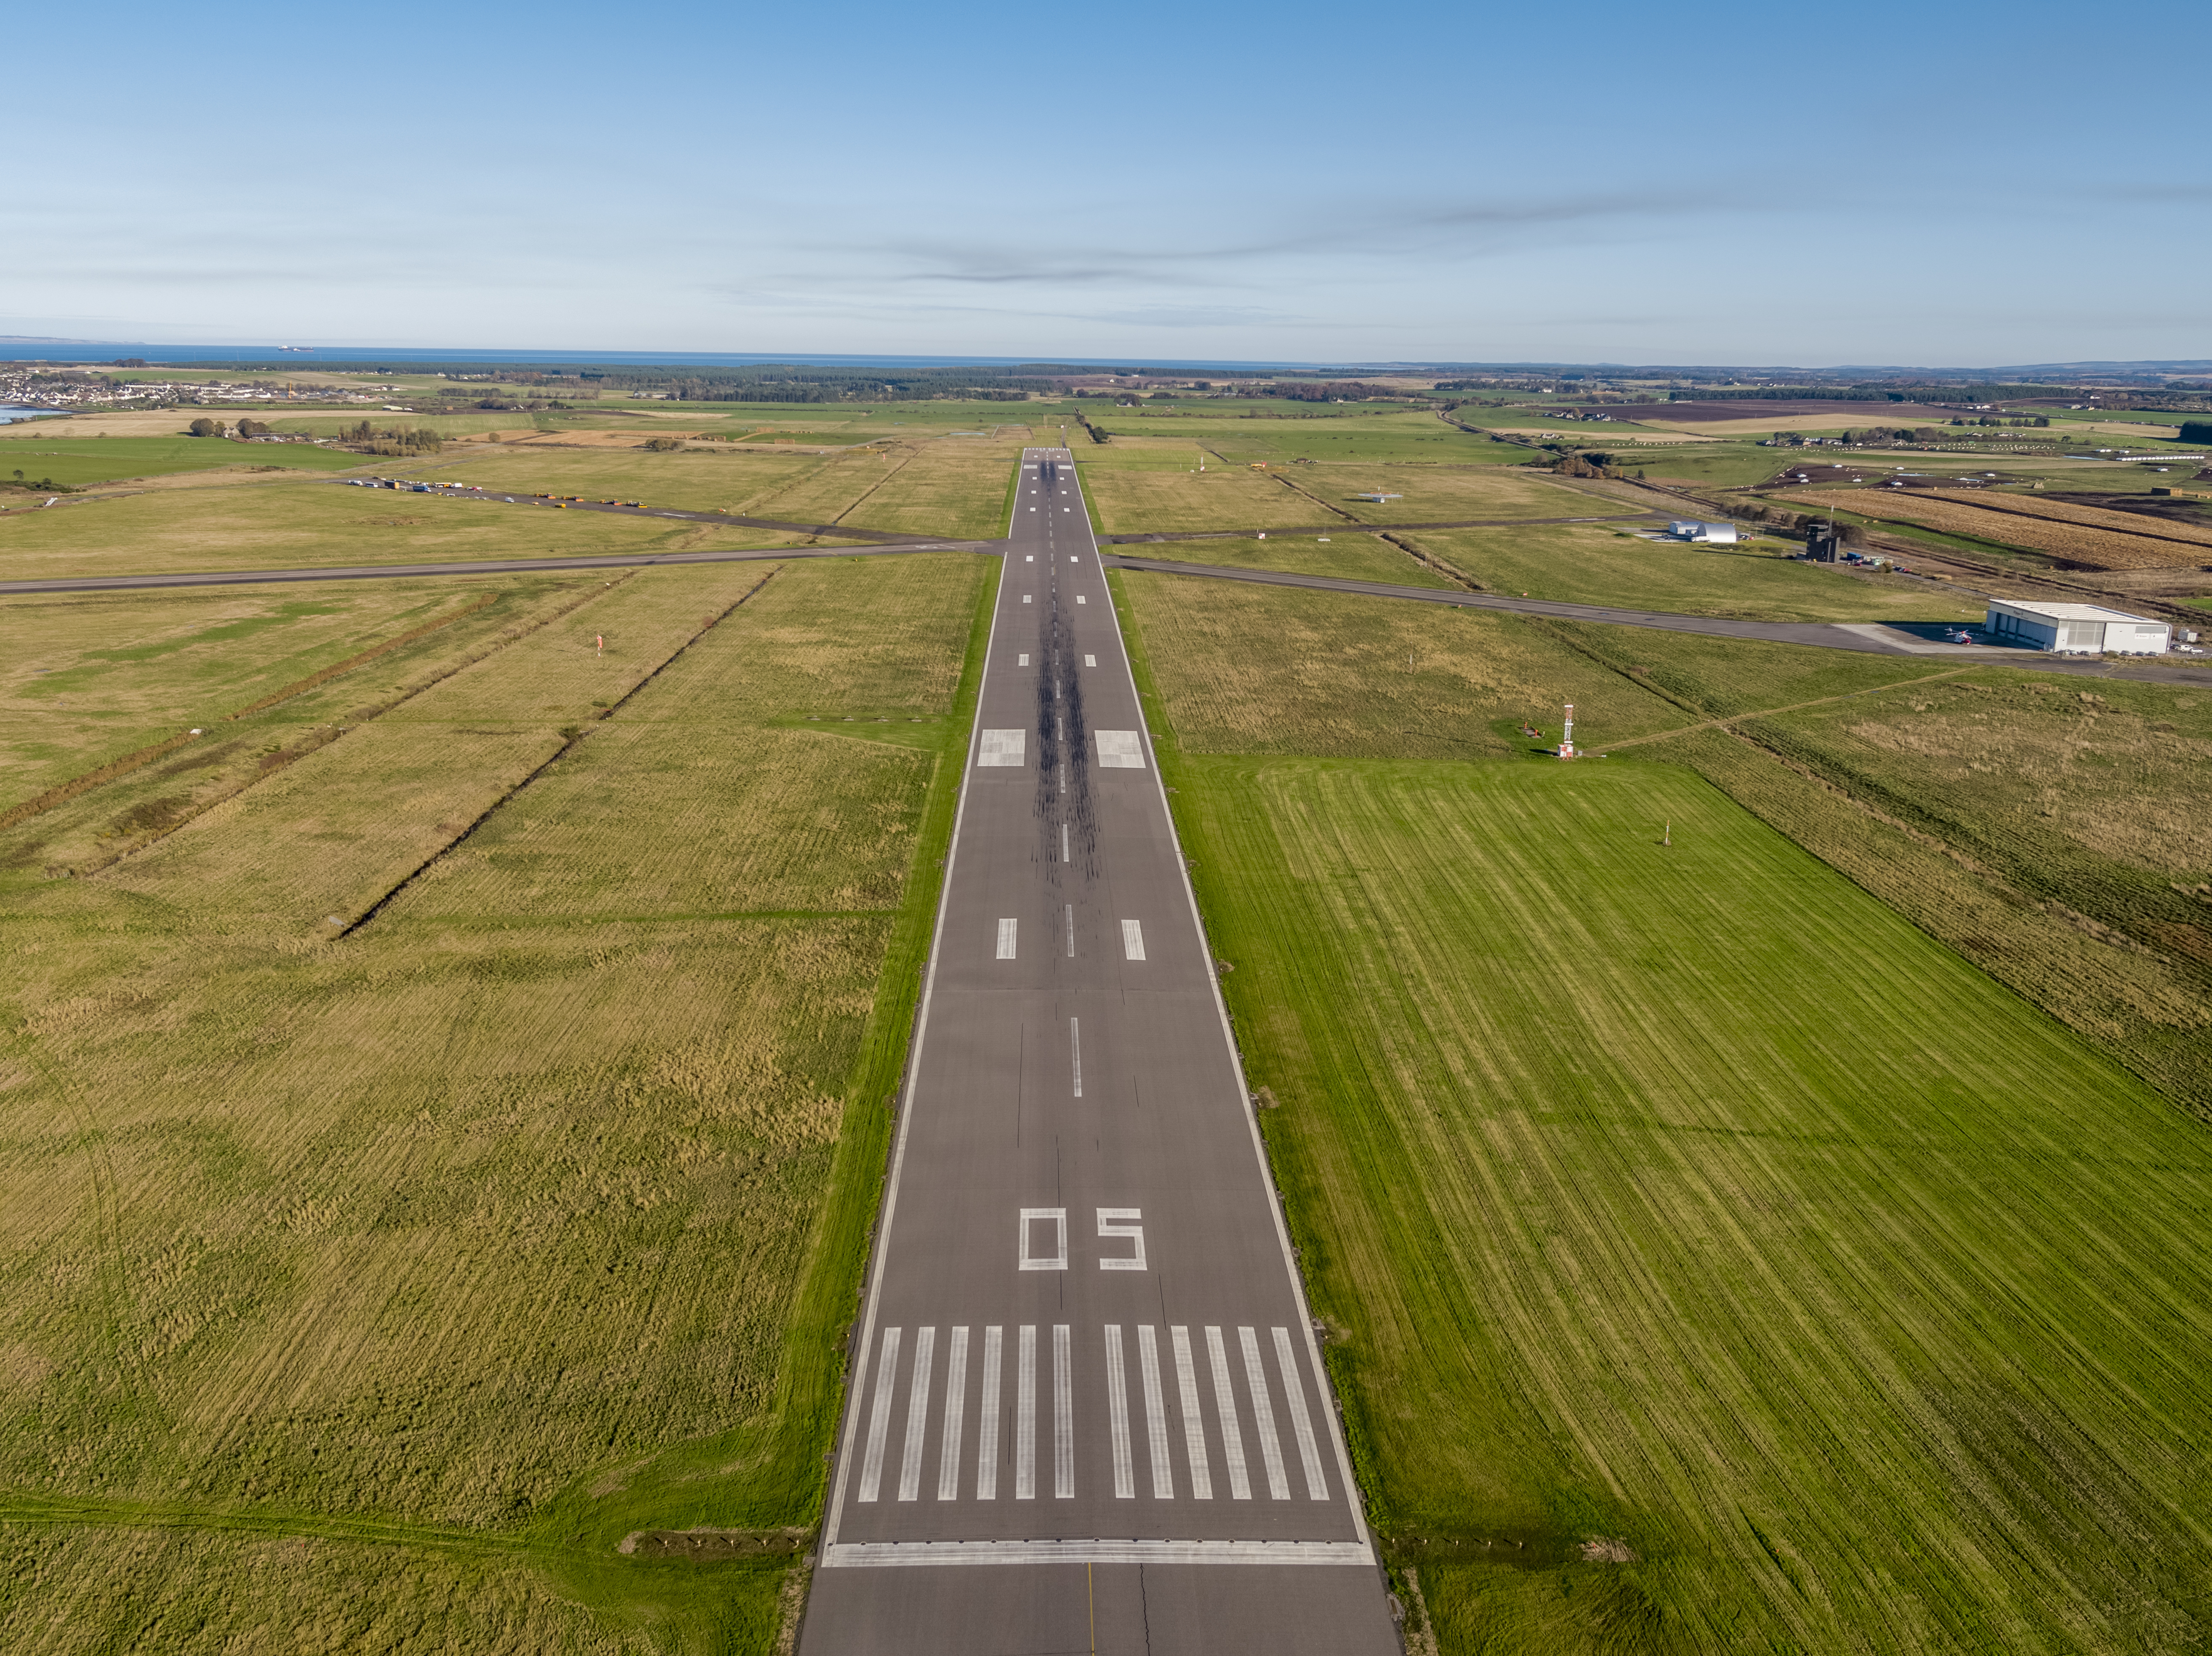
column 1193, row 1424
column 1063, row 1417
column 917, row 1414
column 879, row 1420
column 1007, row 928
column 851, row 1555
column 955, row 1398
column 1225, row 1399
column 1156, row 1414
column 1301, row 1423
column 1133, row 940
column 1025, row 1415
column 1263, row 1416
column 987, row 1416
column 1117, row 1417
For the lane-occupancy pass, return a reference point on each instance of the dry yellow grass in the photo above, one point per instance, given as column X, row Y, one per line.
column 1431, row 494
column 2095, row 548
column 2036, row 506
column 946, row 488
column 83, row 1591
column 746, row 820
column 839, row 636
column 494, row 1215
column 1255, row 670
column 1127, row 500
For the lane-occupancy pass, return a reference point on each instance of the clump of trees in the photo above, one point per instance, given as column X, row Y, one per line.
column 397, row 441
column 664, row 445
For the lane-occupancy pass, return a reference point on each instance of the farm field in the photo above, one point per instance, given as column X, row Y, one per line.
column 1595, row 563
column 2078, row 543
column 1627, row 1257
column 1132, row 500
column 443, row 1254
column 302, row 525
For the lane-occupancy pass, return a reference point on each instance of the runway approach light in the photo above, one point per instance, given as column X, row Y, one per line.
column 1567, row 736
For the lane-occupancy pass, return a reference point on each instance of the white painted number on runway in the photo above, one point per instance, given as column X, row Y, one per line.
column 1133, row 940
column 1056, row 1261
column 1109, row 1226
column 1118, row 750
column 1001, row 748
column 1006, row 929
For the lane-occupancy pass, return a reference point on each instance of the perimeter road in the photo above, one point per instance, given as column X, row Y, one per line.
column 1087, row 1411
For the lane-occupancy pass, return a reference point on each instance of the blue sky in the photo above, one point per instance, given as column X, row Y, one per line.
column 1932, row 184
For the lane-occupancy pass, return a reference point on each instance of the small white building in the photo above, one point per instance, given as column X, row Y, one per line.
column 1690, row 529
column 2085, row 628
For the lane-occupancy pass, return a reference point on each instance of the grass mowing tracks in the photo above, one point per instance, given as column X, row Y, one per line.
column 1625, row 1241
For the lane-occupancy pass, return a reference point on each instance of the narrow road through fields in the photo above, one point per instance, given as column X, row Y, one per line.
column 1087, row 1410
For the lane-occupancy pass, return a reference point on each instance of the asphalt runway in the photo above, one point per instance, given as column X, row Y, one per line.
column 1087, row 1408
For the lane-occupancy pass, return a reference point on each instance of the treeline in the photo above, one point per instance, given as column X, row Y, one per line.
column 394, row 440
column 796, row 383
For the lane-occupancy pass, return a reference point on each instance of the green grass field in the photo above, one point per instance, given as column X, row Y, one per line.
column 1668, row 1196
column 288, row 523
column 446, row 1255
column 1350, row 555
column 75, row 462
column 1593, row 563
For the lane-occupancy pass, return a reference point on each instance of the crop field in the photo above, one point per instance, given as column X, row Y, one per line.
column 1349, row 555
column 1366, row 436
column 2095, row 549
column 404, row 1272
column 1274, row 669
column 1593, row 563
column 1431, row 494
column 2128, row 522
column 951, row 489
column 1628, row 1257
column 298, row 524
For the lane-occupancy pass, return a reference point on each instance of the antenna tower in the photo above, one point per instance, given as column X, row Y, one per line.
column 1567, row 736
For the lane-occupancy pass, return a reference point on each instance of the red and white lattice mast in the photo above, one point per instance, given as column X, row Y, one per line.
column 1567, row 736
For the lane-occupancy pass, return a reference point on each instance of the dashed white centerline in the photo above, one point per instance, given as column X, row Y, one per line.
column 917, row 1414
column 1070, row 937
column 1193, row 1424
column 1075, row 1052
column 1064, row 857
column 986, row 1415
column 956, row 1397
column 1225, row 1399
column 1156, row 1414
column 1133, row 941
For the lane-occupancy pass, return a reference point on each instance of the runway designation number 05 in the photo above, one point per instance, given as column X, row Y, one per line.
column 1047, row 1228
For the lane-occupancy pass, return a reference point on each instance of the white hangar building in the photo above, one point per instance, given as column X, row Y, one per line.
column 1690, row 529
column 2085, row 628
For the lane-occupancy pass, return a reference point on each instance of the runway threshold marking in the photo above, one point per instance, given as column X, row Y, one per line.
column 1133, row 940
column 1007, row 929
column 852, row 1555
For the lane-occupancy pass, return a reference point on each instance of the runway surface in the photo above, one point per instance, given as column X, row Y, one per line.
column 1087, row 1408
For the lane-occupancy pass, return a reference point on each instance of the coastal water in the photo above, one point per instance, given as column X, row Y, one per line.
column 10, row 416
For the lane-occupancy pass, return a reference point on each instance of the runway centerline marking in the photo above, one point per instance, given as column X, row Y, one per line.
column 1070, row 943
column 1075, row 1051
